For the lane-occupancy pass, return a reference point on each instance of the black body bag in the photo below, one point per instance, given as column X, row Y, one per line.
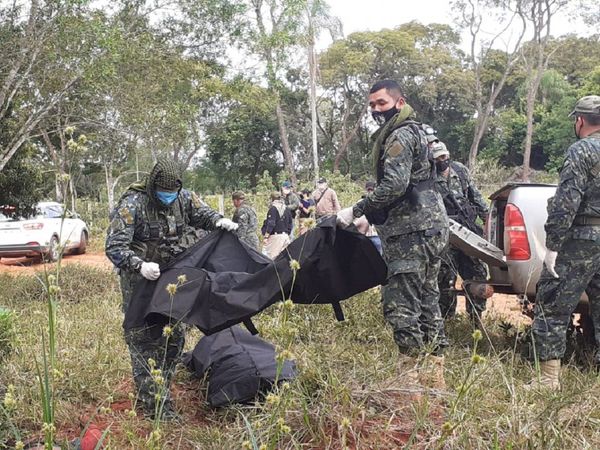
column 240, row 366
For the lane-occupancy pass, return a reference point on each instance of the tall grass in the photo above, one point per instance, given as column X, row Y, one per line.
column 336, row 401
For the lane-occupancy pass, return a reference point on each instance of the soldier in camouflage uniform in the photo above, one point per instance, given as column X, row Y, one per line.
column 413, row 231
column 153, row 222
column 572, row 261
column 245, row 217
column 464, row 203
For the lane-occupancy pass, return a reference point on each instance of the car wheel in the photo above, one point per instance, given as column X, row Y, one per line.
column 52, row 254
column 83, row 242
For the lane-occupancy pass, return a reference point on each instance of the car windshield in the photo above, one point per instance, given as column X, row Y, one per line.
column 51, row 211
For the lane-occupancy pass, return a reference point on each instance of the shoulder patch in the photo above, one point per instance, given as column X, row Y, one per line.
column 395, row 149
column 196, row 202
column 126, row 215
column 116, row 225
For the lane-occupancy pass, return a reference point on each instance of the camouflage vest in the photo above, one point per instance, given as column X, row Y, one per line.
column 164, row 233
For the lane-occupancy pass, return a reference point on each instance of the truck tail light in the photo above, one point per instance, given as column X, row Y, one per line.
column 515, row 234
column 33, row 226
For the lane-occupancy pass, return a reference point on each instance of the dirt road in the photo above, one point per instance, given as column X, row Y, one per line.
column 28, row 266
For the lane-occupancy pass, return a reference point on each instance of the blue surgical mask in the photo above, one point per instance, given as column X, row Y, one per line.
column 166, row 198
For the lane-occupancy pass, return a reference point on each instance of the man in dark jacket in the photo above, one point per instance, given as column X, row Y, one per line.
column 153, row 222
column 413, row 227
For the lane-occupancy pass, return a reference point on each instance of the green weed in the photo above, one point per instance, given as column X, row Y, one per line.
column 333, row 403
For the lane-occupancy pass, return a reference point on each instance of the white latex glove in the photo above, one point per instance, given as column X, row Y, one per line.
column 150, row 271
column 550, row 262
column 227, row 224
column 344, row 217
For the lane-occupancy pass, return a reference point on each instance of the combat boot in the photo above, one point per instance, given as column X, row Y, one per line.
column 405, row 378
column 431, row 372
column 548, row 379
column 407, row 370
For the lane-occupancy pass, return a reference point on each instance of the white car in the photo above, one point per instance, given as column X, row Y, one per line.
column 50, row 231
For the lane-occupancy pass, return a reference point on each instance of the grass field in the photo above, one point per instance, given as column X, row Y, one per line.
column 340, row 399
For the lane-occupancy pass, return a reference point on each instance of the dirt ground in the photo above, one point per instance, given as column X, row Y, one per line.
column 28, row 266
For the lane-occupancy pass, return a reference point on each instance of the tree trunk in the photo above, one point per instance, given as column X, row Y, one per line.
column 473, row 20
column 110, row 193
column 73, row 195
column 541, row 15
column 285, row 145
column 531, row 95
column 312, row 64
column 347, row 139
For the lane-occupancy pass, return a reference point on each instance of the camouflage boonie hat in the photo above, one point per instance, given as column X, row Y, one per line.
column 238, row 195
column 590, row 104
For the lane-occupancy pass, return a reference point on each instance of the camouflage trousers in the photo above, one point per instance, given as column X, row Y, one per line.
column 455, row 263
column 411, row 296
column 151, row 351
column 154, row 354
column 251, row 239
column 578, row 267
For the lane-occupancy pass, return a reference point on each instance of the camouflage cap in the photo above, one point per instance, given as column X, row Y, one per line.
column 590, row 104
column 439, row 149
column 431, row 138
column 238, row 195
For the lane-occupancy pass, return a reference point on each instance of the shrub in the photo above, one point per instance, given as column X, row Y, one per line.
column 7, row 332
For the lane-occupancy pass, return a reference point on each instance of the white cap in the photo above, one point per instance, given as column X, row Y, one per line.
column 439, row 149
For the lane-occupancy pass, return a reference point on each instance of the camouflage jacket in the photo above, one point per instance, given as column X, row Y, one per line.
column 245, row 216
column 577, row 194
column 405, row 161
column 460, row 184
column 292, row 202
column 141, row 231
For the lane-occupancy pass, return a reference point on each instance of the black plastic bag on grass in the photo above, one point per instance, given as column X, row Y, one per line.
column 240, row 366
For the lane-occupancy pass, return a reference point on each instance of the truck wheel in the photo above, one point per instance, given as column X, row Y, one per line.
column 580, row 341
column 83, row 242
column 586, row 342
column 53, row 253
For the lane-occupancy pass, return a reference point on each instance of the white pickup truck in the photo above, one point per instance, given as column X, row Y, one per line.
column 515, row 228
column 516, row 225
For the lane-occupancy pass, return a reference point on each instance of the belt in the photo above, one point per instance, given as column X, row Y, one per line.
column 586, row 220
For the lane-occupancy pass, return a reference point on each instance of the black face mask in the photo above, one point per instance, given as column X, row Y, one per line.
column 381, row 117
column 441, row 166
